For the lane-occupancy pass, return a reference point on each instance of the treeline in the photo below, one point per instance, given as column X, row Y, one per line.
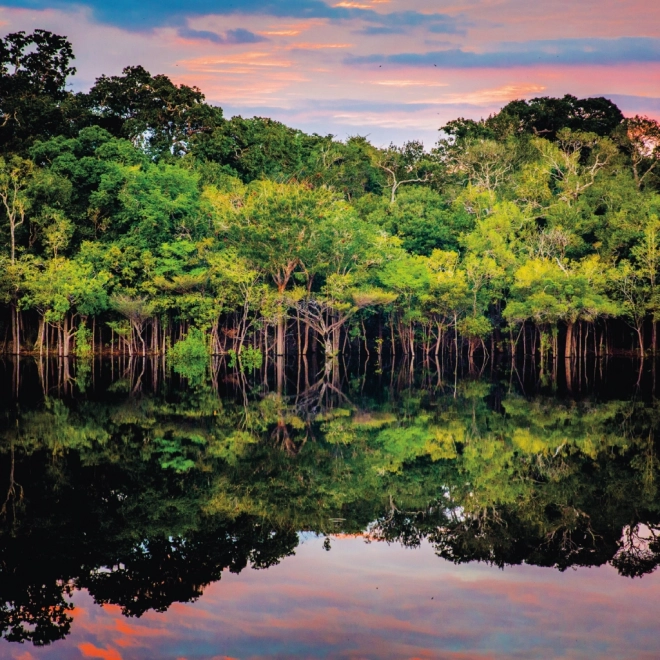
column 136, row 214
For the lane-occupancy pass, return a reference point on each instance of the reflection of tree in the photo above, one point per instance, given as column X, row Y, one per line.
column 639, row 552
column 36, row 613
column 161, row 571
column 551, row 485
column 144, row 500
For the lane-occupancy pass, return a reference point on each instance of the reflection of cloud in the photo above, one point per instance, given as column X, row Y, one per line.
column 385, row 601
column 90, row 651
column 134, row 630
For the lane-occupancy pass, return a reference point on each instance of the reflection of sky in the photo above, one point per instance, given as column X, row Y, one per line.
column 377, row 601
column 394, row 69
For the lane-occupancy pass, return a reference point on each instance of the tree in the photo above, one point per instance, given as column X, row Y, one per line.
column 640, row 138
column 547, row 291
column 566, row 160
column 422, row 219
column 647, row 256
column 137, row 311
column 33, row 97
column 408, row 277
column 273, row 226
column 63, row 290
column 484, row 164
column 259, row 147
column 152, row 111
column 15, row 176
column 404, row 165
column 546, row 116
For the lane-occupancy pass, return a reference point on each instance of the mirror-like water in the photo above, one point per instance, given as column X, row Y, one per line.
column 143, row 515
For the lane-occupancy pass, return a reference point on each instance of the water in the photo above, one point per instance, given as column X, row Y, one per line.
column 383, row 513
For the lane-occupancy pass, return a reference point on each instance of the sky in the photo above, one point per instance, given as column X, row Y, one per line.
column 379, row 601
column 392, row 70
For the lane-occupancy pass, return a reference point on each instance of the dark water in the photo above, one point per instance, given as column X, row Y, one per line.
column 378, row 513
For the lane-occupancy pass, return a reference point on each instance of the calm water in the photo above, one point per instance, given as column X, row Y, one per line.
column 379, row 513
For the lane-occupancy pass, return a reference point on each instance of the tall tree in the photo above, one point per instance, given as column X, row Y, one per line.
column 33, row 98
column 152, row 111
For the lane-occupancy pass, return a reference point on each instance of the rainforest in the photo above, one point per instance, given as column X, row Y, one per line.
column 136, row 215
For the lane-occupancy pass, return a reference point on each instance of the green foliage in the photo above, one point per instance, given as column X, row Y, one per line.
column 83, row 342
column 251, row 358
column 190, row 356
column 141, row 204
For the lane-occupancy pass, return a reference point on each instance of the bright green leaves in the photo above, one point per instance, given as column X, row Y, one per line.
column 190, row 356
column 546, row 291
column 63, row 285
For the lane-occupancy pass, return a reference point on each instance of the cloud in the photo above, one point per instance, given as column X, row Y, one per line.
column 238, row 36
column 490, row 96
column 432, row 22
column 149, row 14
column 408, row 83
column 378, row 31
column 532, row 53
column 315, row 46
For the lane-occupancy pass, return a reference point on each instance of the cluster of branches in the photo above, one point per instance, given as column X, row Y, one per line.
column 135, row 212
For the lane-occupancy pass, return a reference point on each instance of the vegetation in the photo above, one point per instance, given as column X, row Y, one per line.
column 139, row 212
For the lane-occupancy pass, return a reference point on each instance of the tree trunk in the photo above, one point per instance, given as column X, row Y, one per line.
column 654, row 336
column 281, row 331
column 40, row 335
column 66, row 337
column 15, row 329
column 306, row 346
column 568, row 351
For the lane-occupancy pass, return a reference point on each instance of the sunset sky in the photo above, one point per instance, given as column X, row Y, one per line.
column 389, row 69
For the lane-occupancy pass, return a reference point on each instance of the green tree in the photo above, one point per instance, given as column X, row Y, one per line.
column 34, row 102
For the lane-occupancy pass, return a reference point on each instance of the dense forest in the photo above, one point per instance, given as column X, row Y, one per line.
column 136, row 215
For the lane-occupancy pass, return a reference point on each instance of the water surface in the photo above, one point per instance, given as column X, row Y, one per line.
column 384, row 514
